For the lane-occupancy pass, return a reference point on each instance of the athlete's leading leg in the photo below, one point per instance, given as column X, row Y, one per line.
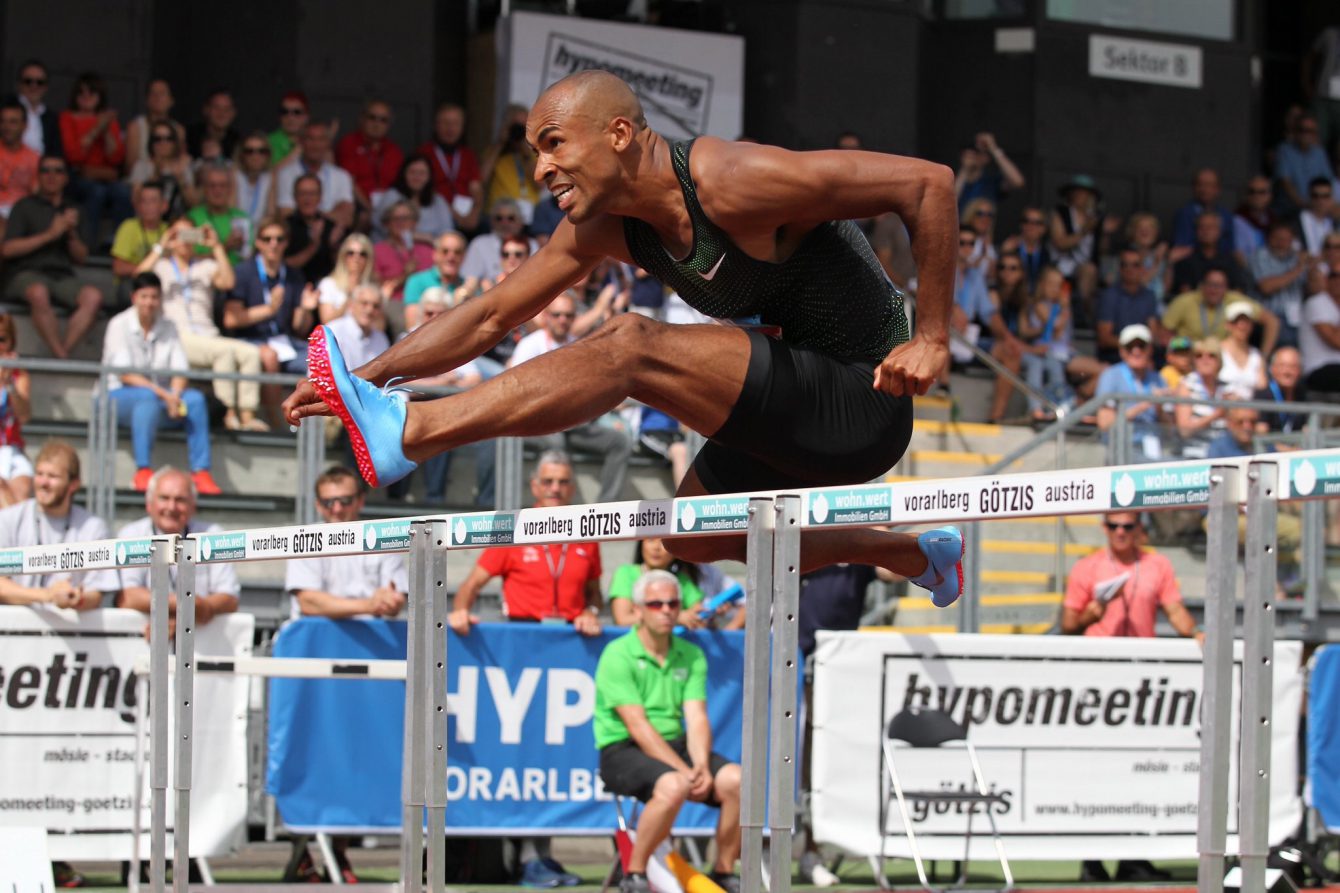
column 693, row 373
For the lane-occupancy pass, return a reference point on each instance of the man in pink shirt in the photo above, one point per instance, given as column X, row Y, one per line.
column 1116, row 591
column 18, row 163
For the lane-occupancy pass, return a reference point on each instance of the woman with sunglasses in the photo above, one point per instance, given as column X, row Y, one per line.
column 414, row 184
column 1012, row 299
column 401, row 254
column 980, row 214
column 95, row 150
column 254, row 183
column 1199, row 423
column 353, row 266
column 158, row 104
column 696, row 582
column 16, row 471
column 1142, row 235
column 294, row 113
column 167, row 163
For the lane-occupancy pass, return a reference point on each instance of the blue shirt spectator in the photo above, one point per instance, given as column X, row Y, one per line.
column 1205, row 190
column 1134, row 375
column 249, row 311
column 1299, row 160
column 1126, row 302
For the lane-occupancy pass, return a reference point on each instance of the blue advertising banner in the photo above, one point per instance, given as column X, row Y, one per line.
column 521, row 757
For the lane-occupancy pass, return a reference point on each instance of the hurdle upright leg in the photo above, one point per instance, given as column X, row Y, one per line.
column 184, row 691
column 785, row 657
column 435, row 535
column 1217, row 690
column 754, row 744
column 1258, row 621
column 160, row 586
column 412, row 780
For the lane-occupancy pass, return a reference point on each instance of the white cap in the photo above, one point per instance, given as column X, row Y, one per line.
column 1240, row 308
column 1137, row 332
column 435, row 294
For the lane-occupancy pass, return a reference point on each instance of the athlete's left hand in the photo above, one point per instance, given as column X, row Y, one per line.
column 911, row 368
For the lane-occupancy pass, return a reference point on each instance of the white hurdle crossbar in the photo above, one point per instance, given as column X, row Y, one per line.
column 772, row 524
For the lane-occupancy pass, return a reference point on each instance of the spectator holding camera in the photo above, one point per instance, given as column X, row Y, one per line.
column 230, row 224
column 508, row 166
column 985, row 171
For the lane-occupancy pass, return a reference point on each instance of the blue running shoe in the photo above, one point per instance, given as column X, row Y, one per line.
column 565, row 877
column 540, row 876
column 943, row 548
column 373, row 416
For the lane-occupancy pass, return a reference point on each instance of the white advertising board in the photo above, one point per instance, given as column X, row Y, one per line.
column 1094, row 744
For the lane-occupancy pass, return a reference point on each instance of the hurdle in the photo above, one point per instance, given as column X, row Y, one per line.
column 772, row 524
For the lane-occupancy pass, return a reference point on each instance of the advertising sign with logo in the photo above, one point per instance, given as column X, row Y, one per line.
column 608, row 521
column 484, row 529
column 712, row 514
column 849, row 505
column 1161, row 486
column 133, row 553
column 1313, row 476
column 386, row 536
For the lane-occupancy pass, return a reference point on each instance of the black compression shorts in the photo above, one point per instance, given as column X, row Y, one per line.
column 804, row 419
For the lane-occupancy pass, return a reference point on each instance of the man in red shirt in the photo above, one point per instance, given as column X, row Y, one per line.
column 455, row 166
column 18, row 163
column 369, row 155
column 1118, row 591
column 541, row 584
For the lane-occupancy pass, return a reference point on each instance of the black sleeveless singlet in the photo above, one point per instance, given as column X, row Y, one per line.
column 830, row 295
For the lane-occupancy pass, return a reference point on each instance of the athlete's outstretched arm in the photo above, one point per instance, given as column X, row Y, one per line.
column 470, row 328
column 767, row 188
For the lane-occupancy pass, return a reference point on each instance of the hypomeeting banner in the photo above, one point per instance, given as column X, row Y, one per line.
column 1093, row 743
column 67, row 731
column 690, row 83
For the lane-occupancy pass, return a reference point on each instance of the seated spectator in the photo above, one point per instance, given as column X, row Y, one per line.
column 158, row 104
column 414, row 184
column 1301, row 161
column 42, row 129
column 1135, row 375
column 647, row 295
column 230, row 224
column 401, row 254
column 654, row 737
column 215, row 125
column 455, row 167
column 1238, row 437
column 696, row 582
column 273, row 307
column 507, row 167
column 483, row 258
column 294, row 113
column 546, row 217
column 1010, row 298
column 95, row 150
column 169, row 503
column 659, row 434
column 194, row 287
column 156, row 397
column 1198, row 423
column 167, row 164
column 540, row 584
column 1074, row 232
column 1128, row 302
column 1316, row 220
column 1319, row 337
column 1206, row 255
column 18, row 163
column 16, row 472
column 512, row 253
column 1329, row 260
column 337, row 187
column 1281, row 272
column 973, row 310
column 370, row 156
column 361, row 332
column 1044, row 326
column 1030, row 245
column 614, row 447
column 137, row 237
column 1201, row 313
column 353, row 267
column 1205, row 194
column 344, row 587
column 253, row 181
column 51, row 516
column 602, row 294
column 40, row 250
column 1253, row 220
column 980, row 214
column 445, row 274
column 1284, row 386
column 313, row 237
column 1142, row 236
column 1244, row 371
column 1180, row 362
column 985, row 171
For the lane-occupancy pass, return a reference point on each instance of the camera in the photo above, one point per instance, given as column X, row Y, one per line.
column 516, row 133
column 192, row 235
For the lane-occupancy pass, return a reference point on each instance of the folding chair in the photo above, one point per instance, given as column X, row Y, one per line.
column 924, row 728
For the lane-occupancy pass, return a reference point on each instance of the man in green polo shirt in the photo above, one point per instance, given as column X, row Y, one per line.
column 654, row 738
column 230, row 224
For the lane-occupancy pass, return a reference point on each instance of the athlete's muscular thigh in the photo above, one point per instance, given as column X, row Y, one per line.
column 695, row 373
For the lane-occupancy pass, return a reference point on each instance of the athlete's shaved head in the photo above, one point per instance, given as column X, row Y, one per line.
column 597, row 95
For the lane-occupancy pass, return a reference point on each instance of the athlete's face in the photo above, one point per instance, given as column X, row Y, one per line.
column 576, row 159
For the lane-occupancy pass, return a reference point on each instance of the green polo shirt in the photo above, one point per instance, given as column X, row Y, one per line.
column 624, row 578
column 627, row 674
column 223, row 227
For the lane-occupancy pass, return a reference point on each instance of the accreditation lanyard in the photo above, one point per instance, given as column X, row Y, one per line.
column 183, row 279
column 452, row 168
column 556, row 571
column 256, row 191
column 44, row 580
column 271, row 325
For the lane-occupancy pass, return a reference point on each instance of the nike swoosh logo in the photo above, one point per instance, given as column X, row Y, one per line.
column 710, row 274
